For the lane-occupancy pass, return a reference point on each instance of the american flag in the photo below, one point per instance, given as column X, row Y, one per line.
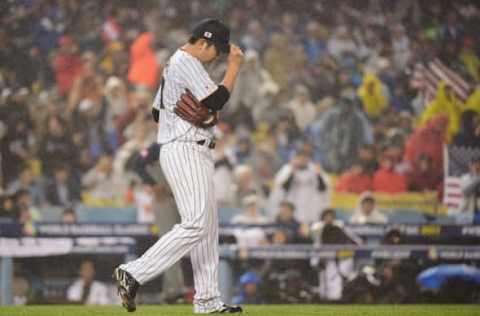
column 457, row 159
column 427, row 76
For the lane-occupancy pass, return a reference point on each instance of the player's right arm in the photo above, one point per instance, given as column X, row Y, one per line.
column 235, row 61
column 217, row 99
column 197, row 80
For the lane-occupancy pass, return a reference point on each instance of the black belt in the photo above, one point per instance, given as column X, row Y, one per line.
column 211, row 144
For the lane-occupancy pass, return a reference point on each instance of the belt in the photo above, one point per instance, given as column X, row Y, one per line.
column 211, row 144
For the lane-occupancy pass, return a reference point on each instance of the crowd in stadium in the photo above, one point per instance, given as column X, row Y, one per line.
column 329, row 100
column 318, row 92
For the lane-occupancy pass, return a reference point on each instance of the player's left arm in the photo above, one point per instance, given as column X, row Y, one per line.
column 210, row 94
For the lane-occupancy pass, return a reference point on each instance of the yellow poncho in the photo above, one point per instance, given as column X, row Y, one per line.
column 372, row 96
column 446, row 102
column 472, row 63
column 473, row 102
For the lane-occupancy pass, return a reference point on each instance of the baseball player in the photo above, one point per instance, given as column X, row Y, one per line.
column 186, row 107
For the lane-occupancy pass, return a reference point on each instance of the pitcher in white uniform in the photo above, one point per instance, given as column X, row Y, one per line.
column 186, row 160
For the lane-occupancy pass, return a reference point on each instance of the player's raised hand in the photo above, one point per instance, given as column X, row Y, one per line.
column 236, row 55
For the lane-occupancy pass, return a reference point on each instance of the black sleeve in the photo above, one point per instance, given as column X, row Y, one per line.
column 155, row 114
column 287, row 185
column 217, row 99
column 322, row 186
column 145, row 158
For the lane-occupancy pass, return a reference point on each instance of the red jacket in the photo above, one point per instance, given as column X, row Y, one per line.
column 144, row 69
column 389, row 181
column 428, row 140
column 356, row 183
column 67, row 68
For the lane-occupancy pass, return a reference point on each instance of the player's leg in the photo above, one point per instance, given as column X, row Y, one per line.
column 205, row 258
column 182, row 173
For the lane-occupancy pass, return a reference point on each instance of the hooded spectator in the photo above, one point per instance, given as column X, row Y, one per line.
column 144, row 68
column 447, row 104
column 373, row 95
column 339, row 133
column 366, row 212
column 304, row 184
column 428, row 140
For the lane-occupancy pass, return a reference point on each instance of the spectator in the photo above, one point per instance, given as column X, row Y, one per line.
column 246, row 101
column 339, row 133
column 90, row 129
column 223, row 175
column 242, row 152
column 355, row 180
column 8, row 207
column 28, row 212
column 16, row 141
column 56, row 147
column 63, row 189
column 86, row 290
column 246, row 185
column 446, row 104
column 368, row 158
column 469, row 134
column 331, row 273
column 255, row 37
column 116, row 98
column 67, row 64
column 295, row 232
column 277, row 59
column 302, row 107
column 341, row 42
column 423, row 178
column 428, row 140
column 470, row 185
column 314, row 42
column 69, row 216
column 304, row 184
column 102, row 183
column 250, row 292
column 250, row 237
column 374, row 96
column 366, row 212
column 251, row 214
column 400, row 47
column 387, row 180
column 27, row 181
column 144, row 69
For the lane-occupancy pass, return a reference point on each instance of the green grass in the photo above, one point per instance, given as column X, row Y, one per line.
column 258, row 310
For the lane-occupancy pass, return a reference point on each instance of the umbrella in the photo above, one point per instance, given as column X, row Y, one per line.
column 433, row 278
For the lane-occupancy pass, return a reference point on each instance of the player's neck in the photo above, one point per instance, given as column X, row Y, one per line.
column 190, row 49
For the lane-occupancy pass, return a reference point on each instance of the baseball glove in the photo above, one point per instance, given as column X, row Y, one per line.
column 193, row 111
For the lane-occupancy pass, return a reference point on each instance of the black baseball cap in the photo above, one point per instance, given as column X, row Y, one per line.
column 215, row 31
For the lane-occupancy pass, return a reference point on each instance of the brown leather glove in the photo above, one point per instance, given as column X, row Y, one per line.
column 193, row 111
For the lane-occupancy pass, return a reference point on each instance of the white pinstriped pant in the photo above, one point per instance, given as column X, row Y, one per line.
column 188, row 168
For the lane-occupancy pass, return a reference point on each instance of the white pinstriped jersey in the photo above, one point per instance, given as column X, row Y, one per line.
column 181, row 72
